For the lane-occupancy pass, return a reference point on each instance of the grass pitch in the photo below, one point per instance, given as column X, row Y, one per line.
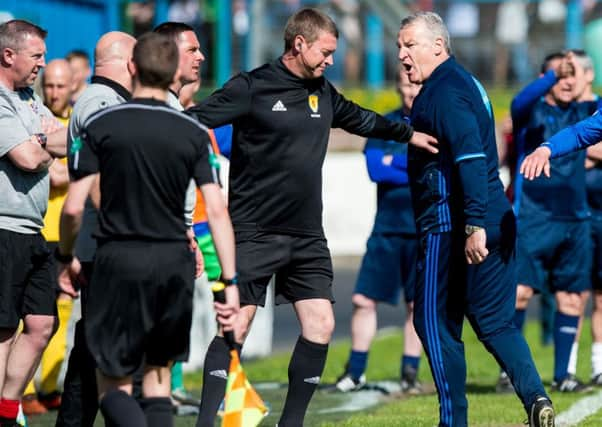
column 486, row 408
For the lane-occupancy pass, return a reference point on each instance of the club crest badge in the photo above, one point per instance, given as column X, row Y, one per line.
column 312, row 100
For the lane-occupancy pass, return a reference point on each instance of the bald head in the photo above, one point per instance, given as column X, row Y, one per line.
column 57, row 85
column 111, row 56
column 114, row 46
column 57, row 67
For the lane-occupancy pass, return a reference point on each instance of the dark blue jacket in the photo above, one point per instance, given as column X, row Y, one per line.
column 460, row 185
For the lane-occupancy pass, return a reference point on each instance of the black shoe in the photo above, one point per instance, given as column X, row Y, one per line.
column 571, row 385
column 541, row 413
column 504, row 385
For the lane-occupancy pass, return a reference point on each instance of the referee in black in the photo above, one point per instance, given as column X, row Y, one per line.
column 282, row 113
column 140, row 297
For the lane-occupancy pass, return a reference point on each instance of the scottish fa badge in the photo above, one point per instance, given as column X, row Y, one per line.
column 313, row 104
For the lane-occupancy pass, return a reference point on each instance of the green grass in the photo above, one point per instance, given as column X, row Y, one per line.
column 486, row 408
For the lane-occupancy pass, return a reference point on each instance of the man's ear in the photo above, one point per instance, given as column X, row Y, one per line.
column 8, row 55
column 439, row 46
column 132, row 67
column 298, row 43
column 177, row 74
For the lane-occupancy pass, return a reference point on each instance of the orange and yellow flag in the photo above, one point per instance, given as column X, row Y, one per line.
column 242, row 405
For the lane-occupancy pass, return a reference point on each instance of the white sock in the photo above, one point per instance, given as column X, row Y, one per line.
column 596, row 358
column 572, row 369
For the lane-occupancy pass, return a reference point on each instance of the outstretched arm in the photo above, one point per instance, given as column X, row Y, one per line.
column 360, row 121
column 577, row 137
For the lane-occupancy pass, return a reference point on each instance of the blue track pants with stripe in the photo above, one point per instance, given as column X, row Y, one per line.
column 448, row 289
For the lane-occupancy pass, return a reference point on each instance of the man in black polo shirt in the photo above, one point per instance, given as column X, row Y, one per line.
column 282, row 114
column 111, row 85
column 140, row 294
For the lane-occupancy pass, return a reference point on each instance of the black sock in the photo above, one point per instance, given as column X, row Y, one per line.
column 121, row 410
column 158, row 411
column 304, row 371
column 215, row 378
column 8, row 422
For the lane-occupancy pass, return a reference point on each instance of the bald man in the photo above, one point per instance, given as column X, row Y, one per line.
column 79, row 62
column 111, row 85
column 56, row 87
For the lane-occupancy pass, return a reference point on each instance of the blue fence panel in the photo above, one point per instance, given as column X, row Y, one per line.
column 70, row 24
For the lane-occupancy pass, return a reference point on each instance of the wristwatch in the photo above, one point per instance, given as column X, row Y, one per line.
column 229, row 282
column 469, row 229
column 42, row 139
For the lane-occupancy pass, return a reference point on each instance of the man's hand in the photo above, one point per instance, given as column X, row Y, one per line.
column 70, row 277
column 566, row 67
column 227, row 312
column 476, row 247
column 424, row 141
column 194, row 247
column 535, row 163
column 50, row 124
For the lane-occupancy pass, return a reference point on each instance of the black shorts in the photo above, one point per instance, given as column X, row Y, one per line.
column 139, row 306
column 27, row 276
column 302, row 266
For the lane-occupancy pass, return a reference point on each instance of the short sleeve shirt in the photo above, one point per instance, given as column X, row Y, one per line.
column 96, row 97
column 24, row 194
column 146, row 154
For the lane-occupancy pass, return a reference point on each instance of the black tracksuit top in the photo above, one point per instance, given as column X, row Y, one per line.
column 281, row 125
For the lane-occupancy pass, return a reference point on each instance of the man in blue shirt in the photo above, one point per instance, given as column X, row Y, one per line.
column 553, row 227
column 389, row 264
column 465, row 225
column 578, row 137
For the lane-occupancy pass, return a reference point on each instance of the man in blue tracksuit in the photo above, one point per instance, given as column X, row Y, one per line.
column 554, row 243
column 466, row 227
column 389, row 264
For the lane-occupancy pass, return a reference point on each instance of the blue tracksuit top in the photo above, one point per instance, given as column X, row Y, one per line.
column 459, row 185
column 562, row 197
column 394, row 204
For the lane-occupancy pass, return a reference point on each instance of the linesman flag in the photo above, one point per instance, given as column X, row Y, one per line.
column 243, row 406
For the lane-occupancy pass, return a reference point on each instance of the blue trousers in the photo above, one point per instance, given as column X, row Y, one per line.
column 447, row 290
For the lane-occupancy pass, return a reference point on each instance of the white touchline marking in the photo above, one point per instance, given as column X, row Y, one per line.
column 357, row 401
column 580, row 410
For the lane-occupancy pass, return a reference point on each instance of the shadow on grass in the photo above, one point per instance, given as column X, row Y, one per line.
column 479, row 388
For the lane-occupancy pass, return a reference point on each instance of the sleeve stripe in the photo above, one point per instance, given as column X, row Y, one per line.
column 469, row 156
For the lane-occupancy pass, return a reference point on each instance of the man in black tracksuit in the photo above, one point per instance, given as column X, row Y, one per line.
column 282, row 114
